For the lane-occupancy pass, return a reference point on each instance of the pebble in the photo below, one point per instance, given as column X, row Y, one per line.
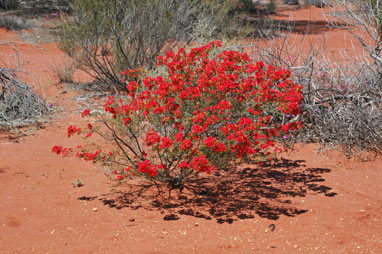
column 95, row 209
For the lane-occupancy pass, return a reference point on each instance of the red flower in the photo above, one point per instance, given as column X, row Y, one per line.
column 178, row 137
column 166, row 143
column 147, row 168
column 196, row 129
column 120, row 177
column 186, row 144
column 210, row 142
column 72, row 130
column 85, row 112
column 184, row 165
column 152, row 138
column 57, row 149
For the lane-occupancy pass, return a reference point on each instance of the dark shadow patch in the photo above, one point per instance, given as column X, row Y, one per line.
column 233, row 194
column 171, row 217
column 85, row 198
column 3, row 170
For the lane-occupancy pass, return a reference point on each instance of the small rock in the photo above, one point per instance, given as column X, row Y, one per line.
column 196, row 224
column 95, row 209
column 271, row 227
column 171, row 217
column 132, row 220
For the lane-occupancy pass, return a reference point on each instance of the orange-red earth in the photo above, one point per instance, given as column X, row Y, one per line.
column 308, row 203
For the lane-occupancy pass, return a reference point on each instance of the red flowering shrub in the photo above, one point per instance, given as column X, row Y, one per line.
column 205, row 112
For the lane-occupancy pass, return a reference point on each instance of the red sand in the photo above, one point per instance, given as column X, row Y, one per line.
column 318, row 203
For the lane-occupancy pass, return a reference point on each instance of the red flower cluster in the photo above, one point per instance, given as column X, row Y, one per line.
column 147, row 168
column 60, row 150
column 72, row 130
column 85, row 112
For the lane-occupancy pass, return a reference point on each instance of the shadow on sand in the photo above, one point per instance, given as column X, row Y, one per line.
column 226, row 196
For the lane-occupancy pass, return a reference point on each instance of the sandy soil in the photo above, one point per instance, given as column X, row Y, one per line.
column 308, row 203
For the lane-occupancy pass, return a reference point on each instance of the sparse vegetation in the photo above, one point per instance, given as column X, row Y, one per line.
column 13, row 23
column 9, row 4
column 19, row 104
column 317, row 3
column 106, row 37
column 342, row 104
column 64, row 72
column 77, row 183
column 271, row 6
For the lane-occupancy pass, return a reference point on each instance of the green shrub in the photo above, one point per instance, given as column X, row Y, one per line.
column 271, row 6
column 64, row 72
column 247, row 5
column 13, row 23
column 9, row 4
column 105, row 37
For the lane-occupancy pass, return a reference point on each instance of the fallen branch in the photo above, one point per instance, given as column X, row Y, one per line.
column 19, row 104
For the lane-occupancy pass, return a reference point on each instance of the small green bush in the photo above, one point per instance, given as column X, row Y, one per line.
column 65, row 72
column 105, row 37
column 9, row 4
column 271, row 6
column 13, row 23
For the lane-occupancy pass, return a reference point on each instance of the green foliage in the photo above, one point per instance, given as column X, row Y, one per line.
column 77, row 183
column 271, row 6
column 376, row 9
column 65, row 72
column 9, row 4
column 13, row 23
column 105, row 37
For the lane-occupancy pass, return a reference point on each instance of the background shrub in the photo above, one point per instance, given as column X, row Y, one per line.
column 317, row 3
column 105, row 37
column 342, row 104
column 18, row 102
column 13, row 23
column 9, row 4
column 64, row 72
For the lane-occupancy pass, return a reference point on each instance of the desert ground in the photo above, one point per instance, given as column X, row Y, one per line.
column 311, row 201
